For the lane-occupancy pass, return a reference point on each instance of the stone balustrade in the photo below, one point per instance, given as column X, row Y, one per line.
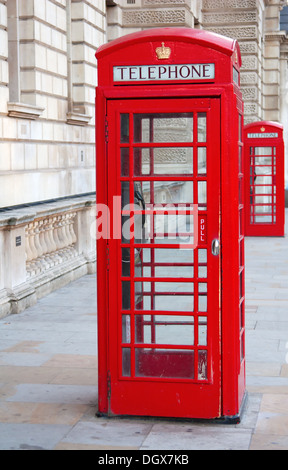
column 45, row 246
column 49, row 242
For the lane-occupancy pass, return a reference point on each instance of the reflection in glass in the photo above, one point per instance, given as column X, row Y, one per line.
column 202, row 163
column 202, row 195
column 126, row 295
column 126, row 329
column 163, row 161
column 202, row 365
column 202, row 127
column 202, row 331
column 263, row 150
column 165, row 329
column 142, row 161
column 167, row 192
column 163, row 127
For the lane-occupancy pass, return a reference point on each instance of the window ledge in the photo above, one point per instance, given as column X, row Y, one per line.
column 78, row 119
column 24, row 111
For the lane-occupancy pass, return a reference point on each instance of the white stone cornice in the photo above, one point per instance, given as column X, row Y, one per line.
column 280, row 36
column 24, row 111
column 78, row 119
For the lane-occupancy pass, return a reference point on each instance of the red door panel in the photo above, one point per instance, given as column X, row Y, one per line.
column 164, row 271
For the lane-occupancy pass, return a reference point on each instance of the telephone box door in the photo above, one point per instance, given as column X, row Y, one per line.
column 164, row 347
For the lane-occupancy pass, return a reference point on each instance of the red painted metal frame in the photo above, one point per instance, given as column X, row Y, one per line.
column 187, row 46
column 274, row 191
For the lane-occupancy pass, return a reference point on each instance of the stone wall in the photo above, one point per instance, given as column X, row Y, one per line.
column 242, row 20
column 43, row 247
column 128, row 16
column 48, row 75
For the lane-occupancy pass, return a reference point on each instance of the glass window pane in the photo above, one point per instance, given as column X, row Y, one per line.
column 263, row 160
column 261, row 219
column 202, row 303
column 263, row 209
column 126, row 262
column 202, row 331
column 125, row 161
column 167, row 263
column 167, row 192
column 124, row 123
column 163, row 127
column 126, row 329
column 142, row 161
column 173, row 160
column 202, row 168
column 202, row 127
column 173, row 256
column 166, row 363
column 174, row 271
column 202, row 365
column 165, row 329
column 202, row 195
column 174, row 287
column 126, row 295
column 126, row 362
column 177, row 303
column 263, row 150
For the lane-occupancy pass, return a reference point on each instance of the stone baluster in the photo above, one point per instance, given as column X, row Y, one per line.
column 49, row 242
column 34, row 263
column 30, row 265
column 71, row 227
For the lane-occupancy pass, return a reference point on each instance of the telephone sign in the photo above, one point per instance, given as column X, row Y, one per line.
column 136, row 73
column 171, row 274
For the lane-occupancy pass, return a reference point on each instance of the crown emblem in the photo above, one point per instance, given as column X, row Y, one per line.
column 163, row 52
column 262, row 129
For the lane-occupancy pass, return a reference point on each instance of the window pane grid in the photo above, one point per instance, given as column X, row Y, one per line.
column 262, row 185
column 164, row 317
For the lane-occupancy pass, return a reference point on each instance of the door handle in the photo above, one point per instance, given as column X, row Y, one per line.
column 215, row 248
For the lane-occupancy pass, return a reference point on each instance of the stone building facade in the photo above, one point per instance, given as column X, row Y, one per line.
column 254, row 23
column 47, row 148
column 48, row 75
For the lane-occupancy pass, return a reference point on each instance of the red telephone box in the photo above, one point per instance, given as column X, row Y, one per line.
column 170, row 230
column 264, row 179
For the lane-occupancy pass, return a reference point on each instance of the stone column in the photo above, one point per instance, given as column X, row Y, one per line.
column 241, row 20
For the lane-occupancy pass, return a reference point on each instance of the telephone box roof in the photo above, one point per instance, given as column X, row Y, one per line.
column 203, row 38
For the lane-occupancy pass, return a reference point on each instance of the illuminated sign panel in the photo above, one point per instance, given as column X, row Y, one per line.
column 142, row 73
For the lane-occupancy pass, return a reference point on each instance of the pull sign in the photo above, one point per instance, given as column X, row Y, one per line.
column 202, row 228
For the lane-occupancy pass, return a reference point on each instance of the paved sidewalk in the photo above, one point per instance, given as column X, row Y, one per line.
column 48, row 372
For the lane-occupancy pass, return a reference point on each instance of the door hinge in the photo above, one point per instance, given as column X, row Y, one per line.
column 108, row 385
column 106, row 131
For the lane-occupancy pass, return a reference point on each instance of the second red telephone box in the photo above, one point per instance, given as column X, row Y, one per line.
column 170, row 248
column 264, row 179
